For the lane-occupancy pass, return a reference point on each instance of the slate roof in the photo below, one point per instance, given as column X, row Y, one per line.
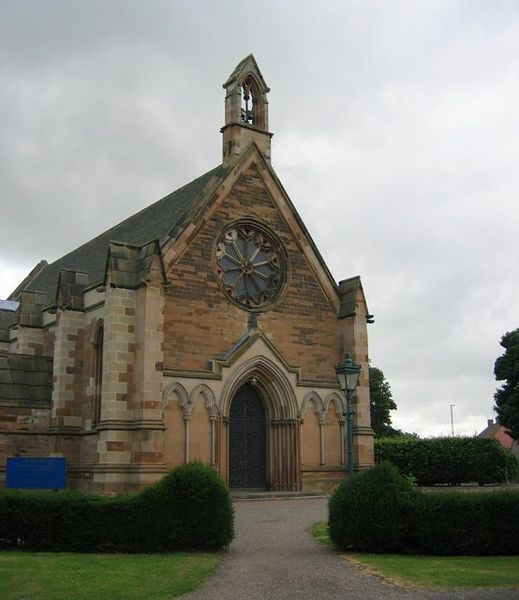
column 25, row 378
column 10, row 305
column 162, row 220
column 8, row 317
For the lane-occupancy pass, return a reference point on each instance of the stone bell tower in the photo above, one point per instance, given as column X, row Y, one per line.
column 246, row 111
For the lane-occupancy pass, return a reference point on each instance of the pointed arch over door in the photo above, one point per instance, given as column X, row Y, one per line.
column 247, row 440
column 282, row 441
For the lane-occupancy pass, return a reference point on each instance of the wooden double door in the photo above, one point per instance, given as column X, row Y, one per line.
column 247, row 440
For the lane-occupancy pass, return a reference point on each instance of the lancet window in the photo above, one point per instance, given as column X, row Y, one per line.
column 98, row 371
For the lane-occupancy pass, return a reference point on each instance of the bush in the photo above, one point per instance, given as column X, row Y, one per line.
column 379, row 511
column 44, row 520
column 371, row 511
column 467, row 523
column 190, row 508
column 449, row 460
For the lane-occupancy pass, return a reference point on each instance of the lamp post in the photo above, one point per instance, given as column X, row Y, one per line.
column 348, row 374
column 452, row 421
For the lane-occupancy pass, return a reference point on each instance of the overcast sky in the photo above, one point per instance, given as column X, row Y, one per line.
column 396, row 135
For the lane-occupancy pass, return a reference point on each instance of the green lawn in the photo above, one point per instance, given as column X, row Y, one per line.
column 437, row 571
column 66, row 576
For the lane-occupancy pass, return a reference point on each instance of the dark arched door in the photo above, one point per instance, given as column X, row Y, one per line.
column 247, row 465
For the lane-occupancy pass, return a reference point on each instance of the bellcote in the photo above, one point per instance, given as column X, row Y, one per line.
column 246, row 111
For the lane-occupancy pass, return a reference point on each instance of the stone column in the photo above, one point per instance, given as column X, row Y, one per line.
column 353, row 319
column 114, row 443
column 322, row 449
column 284, row 456
column 149, row 355
column 355, row 340
column 148, row 438
column 66, row 371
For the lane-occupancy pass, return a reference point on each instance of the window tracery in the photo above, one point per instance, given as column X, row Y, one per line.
column 250, row 266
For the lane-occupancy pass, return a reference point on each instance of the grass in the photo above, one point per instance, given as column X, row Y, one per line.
column 320, row 532
column 67, row 576
column 436, row 571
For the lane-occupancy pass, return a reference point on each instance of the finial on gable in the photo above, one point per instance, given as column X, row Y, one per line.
column 246, row 111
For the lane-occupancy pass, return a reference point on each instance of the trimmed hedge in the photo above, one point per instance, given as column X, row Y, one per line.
column 466, row 523
column 378, row 511
column 449, row 460
column 189, row 509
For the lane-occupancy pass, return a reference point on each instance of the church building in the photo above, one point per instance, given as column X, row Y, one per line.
column 206, row 327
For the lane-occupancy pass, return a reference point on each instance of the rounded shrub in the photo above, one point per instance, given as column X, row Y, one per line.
column 191, row 508
column 372, row 510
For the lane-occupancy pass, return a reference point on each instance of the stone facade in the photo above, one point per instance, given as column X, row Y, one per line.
column 149, row 343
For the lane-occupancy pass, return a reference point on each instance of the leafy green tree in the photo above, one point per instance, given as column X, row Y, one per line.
column 382, row 403
column 506, row 368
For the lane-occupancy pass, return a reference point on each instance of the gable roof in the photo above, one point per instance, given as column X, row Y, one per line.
column 215, row 193
column 166, row 220
column 162, row 220
column 23, row 285
column 498, row 432
column 247, row 65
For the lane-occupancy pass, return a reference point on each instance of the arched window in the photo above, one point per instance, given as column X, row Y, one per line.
column 98, row 370
column 251, row 107
column 247, row 113
column 251, row 265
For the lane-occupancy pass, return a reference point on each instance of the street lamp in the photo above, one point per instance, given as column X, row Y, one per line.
column 452, row 421
column 348, row 374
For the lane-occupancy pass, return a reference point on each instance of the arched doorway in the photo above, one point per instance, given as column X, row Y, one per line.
column 247, row 442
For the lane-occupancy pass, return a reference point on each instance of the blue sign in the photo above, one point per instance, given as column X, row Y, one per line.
column 35, row 473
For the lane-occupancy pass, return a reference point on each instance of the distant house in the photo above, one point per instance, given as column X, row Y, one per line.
column 498, row 432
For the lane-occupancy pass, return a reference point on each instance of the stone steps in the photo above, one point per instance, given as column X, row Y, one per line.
column 237, row 495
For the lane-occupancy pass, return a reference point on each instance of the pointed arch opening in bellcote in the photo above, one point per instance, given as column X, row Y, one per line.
column 246, row 111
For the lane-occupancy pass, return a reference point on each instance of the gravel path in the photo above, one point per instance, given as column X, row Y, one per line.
column 274, row 557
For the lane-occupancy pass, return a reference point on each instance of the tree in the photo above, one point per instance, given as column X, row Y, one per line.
column 506, row 368
column 382, row 403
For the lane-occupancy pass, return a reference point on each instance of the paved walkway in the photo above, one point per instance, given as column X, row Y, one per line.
column 274, row 557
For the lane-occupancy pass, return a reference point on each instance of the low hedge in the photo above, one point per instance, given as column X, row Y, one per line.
column 466, row 523
column 189, row 509
column 449, row 460
column 379, row 511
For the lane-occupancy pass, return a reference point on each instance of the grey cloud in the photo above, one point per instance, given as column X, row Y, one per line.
column 395, row 135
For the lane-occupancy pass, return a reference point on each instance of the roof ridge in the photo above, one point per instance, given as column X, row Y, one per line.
column 135, row 215
column 154, row 221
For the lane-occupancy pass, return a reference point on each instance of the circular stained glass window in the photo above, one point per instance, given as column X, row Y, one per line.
column 250, row 265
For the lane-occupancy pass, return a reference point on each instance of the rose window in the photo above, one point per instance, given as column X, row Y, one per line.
column 249, row 266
